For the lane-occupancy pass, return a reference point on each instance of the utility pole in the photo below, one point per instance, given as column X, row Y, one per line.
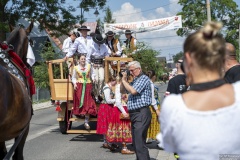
column 208, row 11
column 239, row 42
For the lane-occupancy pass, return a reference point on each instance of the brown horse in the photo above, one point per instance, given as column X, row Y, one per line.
column 15, row 102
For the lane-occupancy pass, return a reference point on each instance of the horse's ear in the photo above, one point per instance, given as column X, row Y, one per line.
column 11, row 27
column 30, row 27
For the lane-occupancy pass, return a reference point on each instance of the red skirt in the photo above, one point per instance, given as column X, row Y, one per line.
column 104, row 112
column 89, row 105
column 119, row 130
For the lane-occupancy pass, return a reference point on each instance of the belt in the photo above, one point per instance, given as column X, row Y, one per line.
column 136, row 110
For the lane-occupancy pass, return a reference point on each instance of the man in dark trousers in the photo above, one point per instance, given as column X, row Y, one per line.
column 139, row 100
column 177, row 84
column 232, row 67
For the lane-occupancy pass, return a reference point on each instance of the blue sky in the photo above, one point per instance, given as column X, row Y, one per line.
column 138, row 10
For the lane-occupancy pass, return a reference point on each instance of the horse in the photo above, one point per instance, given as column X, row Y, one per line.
column 15, row 100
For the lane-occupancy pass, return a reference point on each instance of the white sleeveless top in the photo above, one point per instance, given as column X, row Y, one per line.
column 200, row 135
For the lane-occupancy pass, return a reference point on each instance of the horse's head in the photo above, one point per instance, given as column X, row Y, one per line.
column 18, row 38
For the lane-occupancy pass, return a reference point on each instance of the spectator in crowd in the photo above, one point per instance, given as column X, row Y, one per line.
column 139, row 100
column 113, row 45
column 105, row 111
column 83, row 104
column 82, row 44
column 119, row 128
column 203, row 122
column 154, row 128
column 130, row 45
column 177, row 84
column 232, row 67
column 68, row 42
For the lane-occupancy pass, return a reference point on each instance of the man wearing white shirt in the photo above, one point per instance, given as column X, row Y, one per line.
column 81, row 44
column 130, row 43
column 113, row 45
column 68, row 42
column 98, row 51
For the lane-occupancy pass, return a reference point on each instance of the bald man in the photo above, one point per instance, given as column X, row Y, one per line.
column 232, row 67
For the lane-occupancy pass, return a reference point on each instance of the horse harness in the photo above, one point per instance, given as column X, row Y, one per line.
column 9, row 61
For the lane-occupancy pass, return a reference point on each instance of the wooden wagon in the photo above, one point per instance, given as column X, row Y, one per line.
column 61, row 89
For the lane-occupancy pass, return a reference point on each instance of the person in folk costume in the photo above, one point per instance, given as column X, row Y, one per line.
column 68, row 42
column 104, row 112
column 97, row 52
column 130, row 43
column 83, row 103
column 114, row 50
column 113, row 45
column 82, row 44
column 154, row 127
column 119, row 127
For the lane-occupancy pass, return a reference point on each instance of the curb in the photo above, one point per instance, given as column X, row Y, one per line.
column 38, row 106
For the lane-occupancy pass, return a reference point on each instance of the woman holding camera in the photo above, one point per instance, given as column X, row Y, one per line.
column 105, row 111
column 119, row 127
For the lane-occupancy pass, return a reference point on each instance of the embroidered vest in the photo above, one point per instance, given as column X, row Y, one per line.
column 80, row 78
column 130, row 45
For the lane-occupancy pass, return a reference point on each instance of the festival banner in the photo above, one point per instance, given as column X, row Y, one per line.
column 168, row 23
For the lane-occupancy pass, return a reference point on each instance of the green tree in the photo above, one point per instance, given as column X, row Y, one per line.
column 147, row 58
column 194, row 15
column 177, row 56
column 41, row 76
column 55, row 15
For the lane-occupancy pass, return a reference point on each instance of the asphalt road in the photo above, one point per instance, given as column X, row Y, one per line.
column 45, row 142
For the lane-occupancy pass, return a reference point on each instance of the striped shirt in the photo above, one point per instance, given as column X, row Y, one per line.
column 143, row 97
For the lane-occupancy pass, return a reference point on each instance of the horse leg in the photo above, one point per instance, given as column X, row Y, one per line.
column 3, row 150
column 18, row 154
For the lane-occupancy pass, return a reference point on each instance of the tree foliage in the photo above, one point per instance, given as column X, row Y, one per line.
column 56, row 15
column 194, row 15
column 147, row 58
column 41, row 76
column 177, row 56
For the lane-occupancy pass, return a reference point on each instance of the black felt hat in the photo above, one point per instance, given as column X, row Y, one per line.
column 83, row 28
column 128, row 31
column 110, row 33
column 97, row 38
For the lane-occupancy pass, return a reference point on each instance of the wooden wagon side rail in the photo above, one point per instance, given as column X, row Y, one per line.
column 108, row 60
column 58, row 87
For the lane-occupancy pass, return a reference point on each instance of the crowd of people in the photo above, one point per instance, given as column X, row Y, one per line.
column 199, row 114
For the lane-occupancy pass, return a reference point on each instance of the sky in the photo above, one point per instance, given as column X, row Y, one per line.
column 167, row 42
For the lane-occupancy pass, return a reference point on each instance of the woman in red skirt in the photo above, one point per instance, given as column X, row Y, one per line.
column 119, row 127
column 83, row 103
column 105, row 110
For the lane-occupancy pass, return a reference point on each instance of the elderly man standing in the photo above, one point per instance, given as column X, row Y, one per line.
column 232, row 67
column 138, row 104
column 82, row 44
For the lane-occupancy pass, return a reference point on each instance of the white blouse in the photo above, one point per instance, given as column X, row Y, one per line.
column 118, row 97
column 154, row 102
column 200, row 135
column 107, row 95
column 74, row 75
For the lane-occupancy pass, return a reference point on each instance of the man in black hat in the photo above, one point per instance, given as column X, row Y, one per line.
column 98, row 51
column 81, row 44
column 232, row 67
column 68, row 42
column 113, row 45
column 130, row 43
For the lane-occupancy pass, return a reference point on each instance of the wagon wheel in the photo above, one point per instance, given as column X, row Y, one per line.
column 63, row 124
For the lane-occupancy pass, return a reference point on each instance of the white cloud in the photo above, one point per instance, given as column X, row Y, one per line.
column 170, row 43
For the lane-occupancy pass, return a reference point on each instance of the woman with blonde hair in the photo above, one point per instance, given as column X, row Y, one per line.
column 203, row 123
